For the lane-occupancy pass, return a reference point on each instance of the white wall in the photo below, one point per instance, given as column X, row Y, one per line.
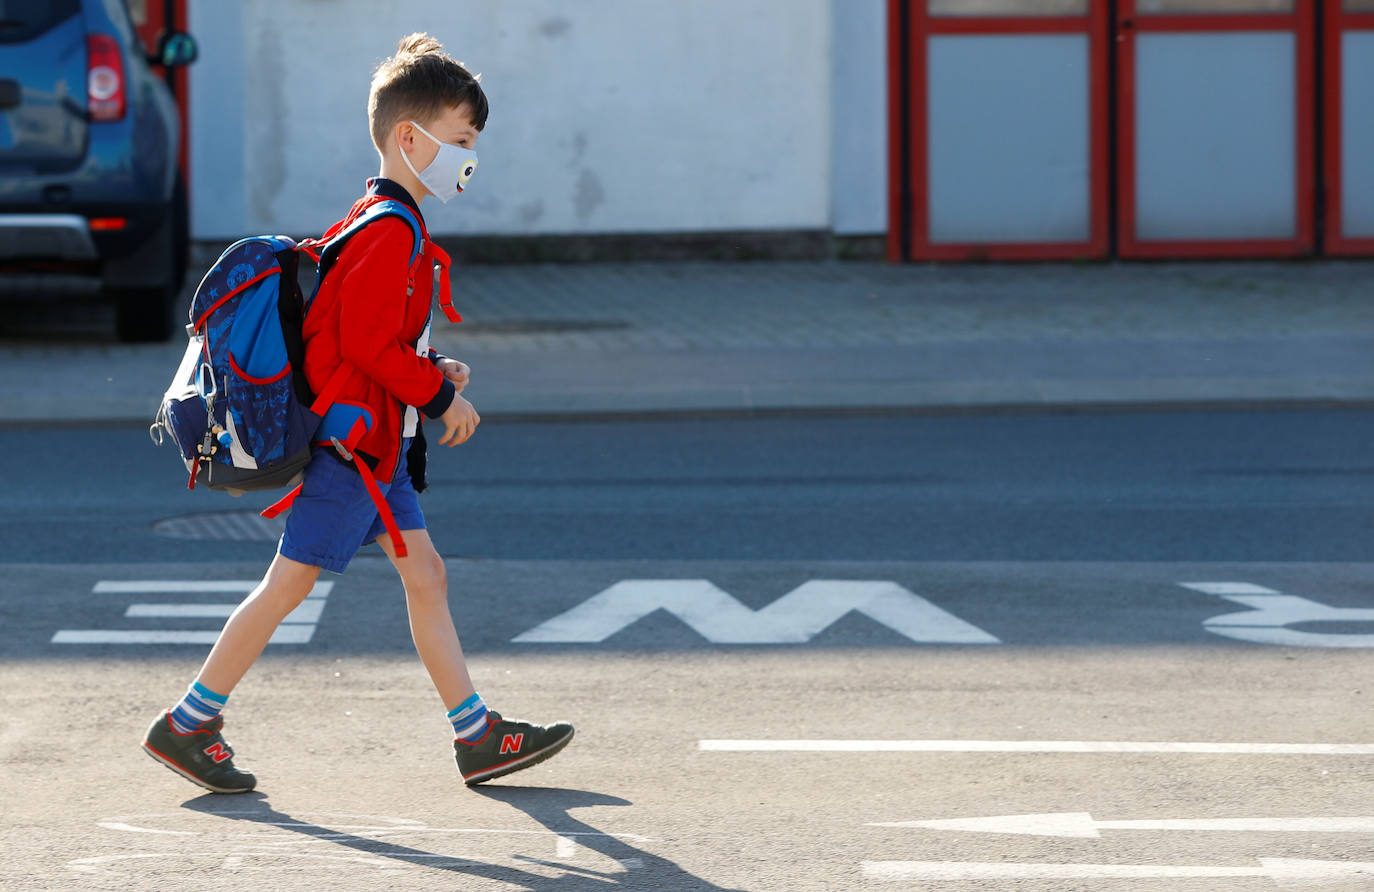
column 607, row 115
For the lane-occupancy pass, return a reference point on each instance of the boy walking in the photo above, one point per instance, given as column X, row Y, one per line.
column 425, row 111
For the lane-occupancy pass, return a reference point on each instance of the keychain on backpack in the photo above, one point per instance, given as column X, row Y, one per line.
column 215, row 436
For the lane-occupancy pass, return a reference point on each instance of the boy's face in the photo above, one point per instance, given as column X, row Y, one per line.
column 453, row 126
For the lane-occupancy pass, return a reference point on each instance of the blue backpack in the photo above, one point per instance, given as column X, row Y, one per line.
column 239, row 407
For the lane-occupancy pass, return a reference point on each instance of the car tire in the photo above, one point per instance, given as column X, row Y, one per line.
column 145, row 314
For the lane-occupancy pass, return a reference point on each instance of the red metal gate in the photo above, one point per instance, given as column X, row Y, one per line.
column 1141, row 20
column 151, row 19
column 1343, row 18
column 914, row 27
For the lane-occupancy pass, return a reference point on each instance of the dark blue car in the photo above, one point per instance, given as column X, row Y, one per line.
column 89, row 138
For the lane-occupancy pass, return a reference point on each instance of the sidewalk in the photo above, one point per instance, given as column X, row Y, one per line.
column 674, row 337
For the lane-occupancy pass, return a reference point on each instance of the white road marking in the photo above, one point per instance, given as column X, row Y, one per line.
column 1228, row 588
column 92, row 865
column 292, row 634
column 179, row 611
column 308, row 612
column 391, row 827
column 1030, row 746
column 168, row 586
column 1082, row 824
column 128, row 636
column 1272, row 612
column 129, row 828
column 231, row 848
column 1279, row 869
column 719, row 617
column 298, row 627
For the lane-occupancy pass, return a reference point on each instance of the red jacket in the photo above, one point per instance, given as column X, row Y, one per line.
column 363, row 315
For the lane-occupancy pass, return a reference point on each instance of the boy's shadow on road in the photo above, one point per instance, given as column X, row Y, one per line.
column 550, row 807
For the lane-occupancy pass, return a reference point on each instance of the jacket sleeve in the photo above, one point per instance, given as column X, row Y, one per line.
column 372, row 308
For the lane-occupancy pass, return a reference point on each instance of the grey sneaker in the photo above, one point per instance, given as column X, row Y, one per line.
column 202, row 756
column 508, row 746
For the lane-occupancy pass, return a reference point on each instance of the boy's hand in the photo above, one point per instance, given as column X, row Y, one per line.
column 457, row 372
column 460, row 421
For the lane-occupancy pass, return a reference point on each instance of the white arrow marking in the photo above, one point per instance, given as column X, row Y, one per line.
column 1271, row 612
column 719, row 617
column 1081, row 824
column 1282, row 870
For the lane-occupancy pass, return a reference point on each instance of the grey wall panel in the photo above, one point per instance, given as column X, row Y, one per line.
column 1008, row 138
column 1357, row 134
column 1215, row 143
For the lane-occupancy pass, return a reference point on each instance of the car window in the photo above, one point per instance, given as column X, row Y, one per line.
column 22, row 20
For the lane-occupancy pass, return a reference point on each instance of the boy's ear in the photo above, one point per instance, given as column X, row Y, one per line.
column 403, row 134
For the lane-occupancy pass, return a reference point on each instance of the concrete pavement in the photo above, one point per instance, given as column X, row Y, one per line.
column 698, row 337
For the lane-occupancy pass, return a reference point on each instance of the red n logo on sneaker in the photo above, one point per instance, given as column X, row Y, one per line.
column 511, row 743
column 218, row 751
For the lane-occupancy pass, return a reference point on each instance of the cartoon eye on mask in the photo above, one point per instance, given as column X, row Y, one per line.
column 465, row 172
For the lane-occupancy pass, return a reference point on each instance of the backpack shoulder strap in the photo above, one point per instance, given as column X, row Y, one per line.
column 387, row 207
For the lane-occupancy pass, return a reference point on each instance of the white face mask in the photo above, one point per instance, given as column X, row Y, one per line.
column 449, row 172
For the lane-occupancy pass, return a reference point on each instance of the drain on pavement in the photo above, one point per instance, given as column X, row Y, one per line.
column 236, row 526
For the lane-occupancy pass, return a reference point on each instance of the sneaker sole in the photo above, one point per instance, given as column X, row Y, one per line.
column 170, row 763
column 529, row 761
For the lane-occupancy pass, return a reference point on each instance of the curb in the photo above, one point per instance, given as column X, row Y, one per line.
column 12, row 416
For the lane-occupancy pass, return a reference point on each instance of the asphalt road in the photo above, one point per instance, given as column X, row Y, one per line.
column 1155, row 624
column 1220, row 486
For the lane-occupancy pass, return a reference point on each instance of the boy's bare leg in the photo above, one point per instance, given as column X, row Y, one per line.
column 285, row 585
column 431, row 625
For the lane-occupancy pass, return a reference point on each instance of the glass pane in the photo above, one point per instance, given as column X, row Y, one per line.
column 1359, row 5
column 1171, row 7
column 26, row 19
column 1007, row 7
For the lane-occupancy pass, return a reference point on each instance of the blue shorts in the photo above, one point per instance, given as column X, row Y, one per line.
column 334, row 516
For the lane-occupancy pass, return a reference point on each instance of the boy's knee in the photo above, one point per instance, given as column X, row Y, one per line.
column 288, row 582
column 429, row 580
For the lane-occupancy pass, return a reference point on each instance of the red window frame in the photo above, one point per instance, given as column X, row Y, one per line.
column 1337, row 22
column 1300, row 23
column 921, row 26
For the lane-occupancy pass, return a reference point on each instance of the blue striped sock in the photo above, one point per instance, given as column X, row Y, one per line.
column 198, row 706
column 469, row 719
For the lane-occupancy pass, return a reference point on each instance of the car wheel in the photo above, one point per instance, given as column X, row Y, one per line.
column 145, row 314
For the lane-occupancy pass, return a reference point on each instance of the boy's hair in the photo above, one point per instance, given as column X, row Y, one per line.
column 418, row 84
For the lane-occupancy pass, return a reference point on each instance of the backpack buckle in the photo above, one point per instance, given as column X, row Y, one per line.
column 341, row 449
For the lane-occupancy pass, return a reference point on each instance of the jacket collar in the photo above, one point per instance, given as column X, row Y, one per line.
column 388, row 188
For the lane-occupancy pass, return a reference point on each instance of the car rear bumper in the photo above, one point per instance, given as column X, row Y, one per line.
column 46, row 237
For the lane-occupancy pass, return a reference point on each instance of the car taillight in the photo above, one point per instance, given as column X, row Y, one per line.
column 104, row 78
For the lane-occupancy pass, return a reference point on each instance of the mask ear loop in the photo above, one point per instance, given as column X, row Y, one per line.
column 405, row 156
